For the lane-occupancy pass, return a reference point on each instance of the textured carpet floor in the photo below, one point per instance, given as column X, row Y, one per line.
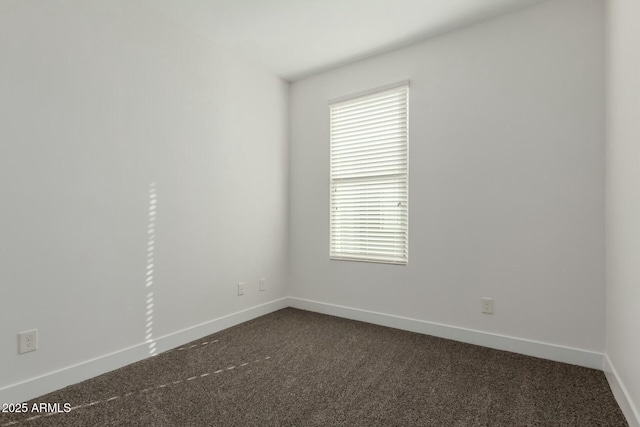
column 296, row 368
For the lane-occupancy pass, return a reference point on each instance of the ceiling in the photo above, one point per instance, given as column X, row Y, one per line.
column 297, row 38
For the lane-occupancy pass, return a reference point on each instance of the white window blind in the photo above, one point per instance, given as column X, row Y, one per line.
column 369, row 177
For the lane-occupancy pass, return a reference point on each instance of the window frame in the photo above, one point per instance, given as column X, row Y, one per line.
column 391, row 232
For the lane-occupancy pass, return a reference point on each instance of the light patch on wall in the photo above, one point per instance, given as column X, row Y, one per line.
column 151, row 240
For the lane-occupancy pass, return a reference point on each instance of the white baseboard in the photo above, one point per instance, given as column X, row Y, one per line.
column 620, row 393
column 554, row 352
column 56, row 380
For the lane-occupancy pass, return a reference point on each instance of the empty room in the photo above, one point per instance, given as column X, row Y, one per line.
column 319, row 213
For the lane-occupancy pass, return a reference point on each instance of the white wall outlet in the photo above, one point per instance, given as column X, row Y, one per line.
column 262, row 286
column 27, row 341
column 487, row 305
column 240, row 288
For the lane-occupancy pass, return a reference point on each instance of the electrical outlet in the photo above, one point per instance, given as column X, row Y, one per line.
column 262, row 286
column 487, row 305
column 27, row 341
column 240, row 288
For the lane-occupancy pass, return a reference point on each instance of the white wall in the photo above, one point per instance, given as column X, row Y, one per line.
column 623, row 205
column 506, row 179
column 97, row 101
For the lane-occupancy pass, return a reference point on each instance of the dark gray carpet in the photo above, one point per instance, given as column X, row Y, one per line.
column 296, row 368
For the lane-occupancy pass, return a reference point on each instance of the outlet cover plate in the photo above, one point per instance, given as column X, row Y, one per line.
column 487, row 305
column 262, row 286
column 27, row 341
column 240, row 288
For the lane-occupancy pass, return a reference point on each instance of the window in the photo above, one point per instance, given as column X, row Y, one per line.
column 369, row 176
